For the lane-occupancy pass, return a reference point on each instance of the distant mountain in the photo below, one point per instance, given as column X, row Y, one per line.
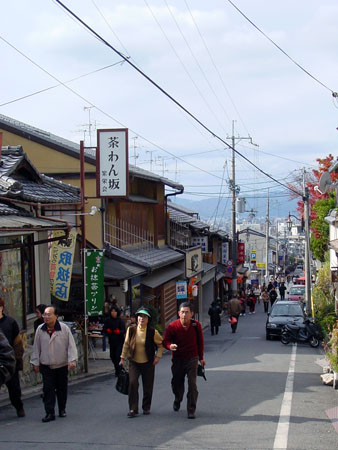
column 206, row 208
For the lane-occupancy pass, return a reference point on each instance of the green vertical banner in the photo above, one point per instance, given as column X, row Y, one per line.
column 94, row 264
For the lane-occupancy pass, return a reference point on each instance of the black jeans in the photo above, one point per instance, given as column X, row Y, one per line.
column 234, row 326
column 147, row 372
column 266, row 306
column 115, row 349
column 14, row 391
column 214, row 328
column 179, row 369
column 55, row 384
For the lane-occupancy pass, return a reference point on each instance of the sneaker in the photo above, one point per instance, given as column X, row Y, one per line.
column 176, row 406
column 132, row 414
column 20, row 412
column 191, row 415
column 48, row 418
column 146, row 412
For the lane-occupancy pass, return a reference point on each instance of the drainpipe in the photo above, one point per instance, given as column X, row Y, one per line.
column 166, row 211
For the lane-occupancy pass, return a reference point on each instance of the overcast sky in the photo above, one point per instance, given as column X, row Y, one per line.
column 207, row 56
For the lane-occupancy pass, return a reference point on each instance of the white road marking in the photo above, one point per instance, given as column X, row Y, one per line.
column 281, row 437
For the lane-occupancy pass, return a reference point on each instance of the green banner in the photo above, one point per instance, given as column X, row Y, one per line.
column 94, row 264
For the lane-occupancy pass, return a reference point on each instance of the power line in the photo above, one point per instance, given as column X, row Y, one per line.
column 334, row 94
column 177, row 103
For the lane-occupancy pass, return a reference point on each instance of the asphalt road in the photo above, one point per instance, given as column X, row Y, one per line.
column 250, row 383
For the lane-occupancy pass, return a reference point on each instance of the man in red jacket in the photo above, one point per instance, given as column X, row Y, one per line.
column 184, row 337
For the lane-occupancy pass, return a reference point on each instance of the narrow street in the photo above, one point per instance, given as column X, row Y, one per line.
column 239, row 405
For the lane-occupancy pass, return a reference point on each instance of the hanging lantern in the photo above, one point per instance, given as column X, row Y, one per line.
column 195, row 291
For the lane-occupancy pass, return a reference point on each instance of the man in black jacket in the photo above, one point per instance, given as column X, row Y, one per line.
column 7, row 360
column 10, row 329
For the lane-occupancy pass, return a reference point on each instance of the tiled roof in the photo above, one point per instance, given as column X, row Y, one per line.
column 71, row 148
column 150, row 258
column 11, row 210
column 20, row 179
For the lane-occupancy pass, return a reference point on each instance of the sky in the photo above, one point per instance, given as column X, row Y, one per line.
column 205, row 55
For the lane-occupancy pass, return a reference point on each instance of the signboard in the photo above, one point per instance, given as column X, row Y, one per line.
column 94, row 266
column 181, row 289
column 193, row 261
column 112, row 171
column 202, row 241
column 61, row 264
column 225, row 252
column 253, row 256
column 260, row 265
column 241, row 253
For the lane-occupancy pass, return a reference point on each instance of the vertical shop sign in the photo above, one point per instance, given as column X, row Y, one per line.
column 181, row 289
column 94, row 264
column 225, row 252
column 112, row 176
column 241, row 253
column 61, row 264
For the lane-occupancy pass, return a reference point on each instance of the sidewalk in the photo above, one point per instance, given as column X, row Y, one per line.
column 96, row 368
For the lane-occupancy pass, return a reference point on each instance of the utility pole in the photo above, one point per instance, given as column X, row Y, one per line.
column 307, row 248
column 135, row 156
column 88, row 108
column 267, row 222
column 235, row 190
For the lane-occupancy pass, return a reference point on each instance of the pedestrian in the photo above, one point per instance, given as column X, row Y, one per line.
column 243, row 301
column 270, row 286
column 251, row 302
column 140, row 349
column 54, row 354
column 272, row 296
column 11, row 330
column 215, row 317
column 282, row 289
column 115, row 329
column 266, row 299
column 40, row 309
column 234, row 310
column 7, row 360
column 184, row 337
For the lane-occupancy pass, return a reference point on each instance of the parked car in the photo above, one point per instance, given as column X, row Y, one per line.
column 282, row 312
column 297, row 293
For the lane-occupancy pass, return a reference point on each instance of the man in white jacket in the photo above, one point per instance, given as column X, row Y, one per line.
column 54, row 353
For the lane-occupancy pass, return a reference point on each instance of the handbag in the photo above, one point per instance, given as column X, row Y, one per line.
column 122, row 383
column 201, row 371
column 232, row 320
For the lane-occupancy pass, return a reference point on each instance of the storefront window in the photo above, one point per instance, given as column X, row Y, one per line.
column 16, row 277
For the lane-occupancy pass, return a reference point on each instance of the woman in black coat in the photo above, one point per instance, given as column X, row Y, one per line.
column 115, row 329
column 215, row 317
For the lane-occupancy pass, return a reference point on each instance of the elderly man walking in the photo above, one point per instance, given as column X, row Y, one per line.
column 184, row 337
column 54, row 353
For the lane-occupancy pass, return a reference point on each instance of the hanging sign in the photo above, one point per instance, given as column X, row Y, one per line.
column 61, row 264
column 181, row 289
column 94, row 265
column 112, row 170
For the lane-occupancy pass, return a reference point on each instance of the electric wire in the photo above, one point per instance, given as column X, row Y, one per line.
column 183, row 65
column 60, row 84
column 214, row 65
column 103, row 112
column 84, row 24
column 334, row 94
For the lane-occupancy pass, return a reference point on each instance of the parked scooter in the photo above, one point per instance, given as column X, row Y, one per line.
column 308, row 332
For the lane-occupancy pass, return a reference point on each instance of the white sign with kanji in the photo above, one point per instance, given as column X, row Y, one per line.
column 112, row 174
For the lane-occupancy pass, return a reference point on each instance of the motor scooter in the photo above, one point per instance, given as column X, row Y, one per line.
column 307, row 332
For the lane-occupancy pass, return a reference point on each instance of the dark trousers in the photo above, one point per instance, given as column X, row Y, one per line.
column 266, row 306
column 214, row 329
column 234, row 325
column 147, row 372
column 179, row 369
column 115, row 354
column 55, row 384
column 14, row 391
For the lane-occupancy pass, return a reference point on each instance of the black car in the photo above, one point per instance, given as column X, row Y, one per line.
column 282, row 312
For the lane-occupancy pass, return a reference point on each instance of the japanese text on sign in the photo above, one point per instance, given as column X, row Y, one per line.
column 94, row 263
column 112, row 163
column 61, row 264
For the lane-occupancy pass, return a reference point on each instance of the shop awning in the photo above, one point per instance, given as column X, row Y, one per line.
column 161, row 276
column 115, row 270
column 13, row 222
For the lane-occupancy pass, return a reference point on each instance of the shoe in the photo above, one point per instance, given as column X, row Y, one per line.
column 62, row 413
column 48, row 418
column 132, row 414
column 176, row 406
column 191, row 415
column 146, row 412
column 20, row 412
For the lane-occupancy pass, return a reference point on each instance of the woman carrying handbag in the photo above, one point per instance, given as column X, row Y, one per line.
column 139, row 347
